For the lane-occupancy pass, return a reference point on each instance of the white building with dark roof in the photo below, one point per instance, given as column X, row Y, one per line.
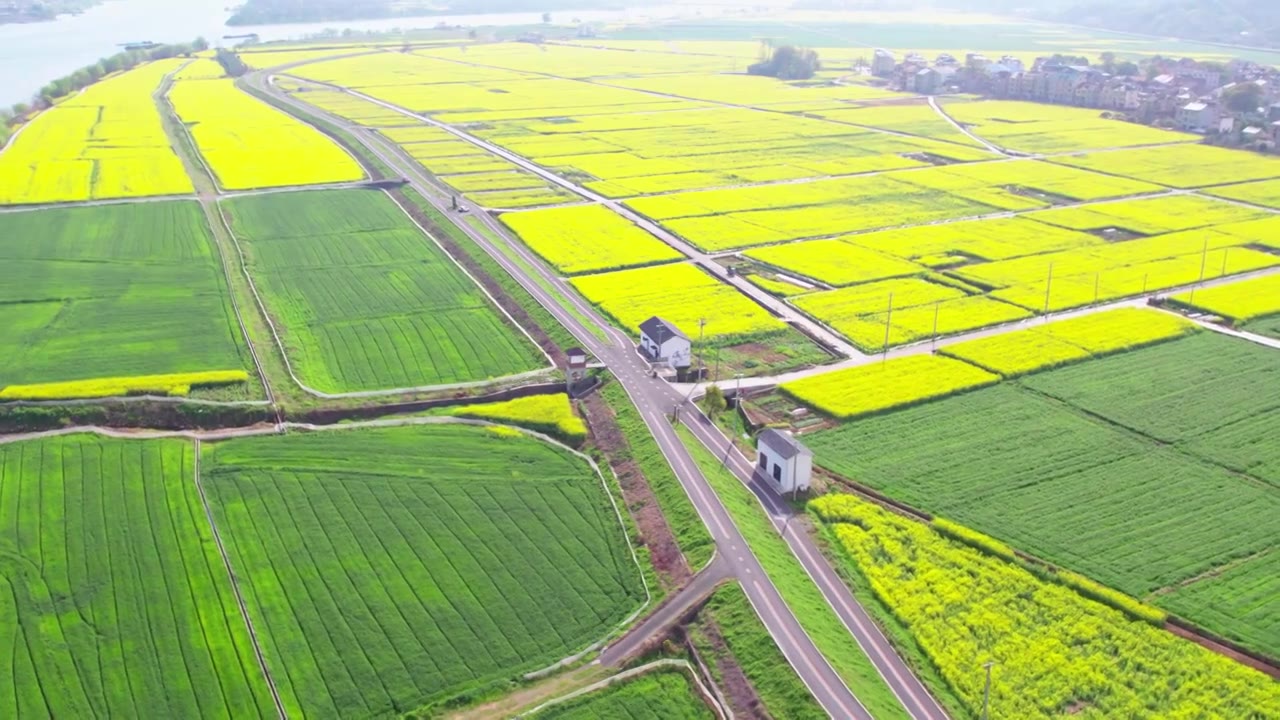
column 663, row 342
column 785, row 461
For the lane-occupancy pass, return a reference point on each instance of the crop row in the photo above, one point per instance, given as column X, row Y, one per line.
column 546, row 413
column 365, row 301
column 115, row 600
column 877, row 387
column 391, row 568
column 176, row 384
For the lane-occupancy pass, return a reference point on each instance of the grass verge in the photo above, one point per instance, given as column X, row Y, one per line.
column 765, row 667
column 691, row 535
column 798, row 590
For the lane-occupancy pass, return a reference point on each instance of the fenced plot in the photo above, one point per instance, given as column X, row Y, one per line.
column 387, row 569
column 365, row 301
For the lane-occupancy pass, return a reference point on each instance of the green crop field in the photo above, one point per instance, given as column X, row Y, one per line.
column 364, row 301
column 113, row 598
column 657, row 695
column 1134, row 482
column 395, row 568
column 112, row 291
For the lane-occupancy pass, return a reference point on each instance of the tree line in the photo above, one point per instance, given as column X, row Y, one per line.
column 90, row 74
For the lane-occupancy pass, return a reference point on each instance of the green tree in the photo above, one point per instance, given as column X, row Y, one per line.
column 788, row 63
column 1244, row 98
column 713, row 402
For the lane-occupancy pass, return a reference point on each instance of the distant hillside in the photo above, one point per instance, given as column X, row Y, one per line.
column 1238, row 22
column 269, row 12
column 1242, row 22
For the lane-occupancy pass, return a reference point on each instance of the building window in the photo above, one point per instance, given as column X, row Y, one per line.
column 777, row 473
column 764, row 462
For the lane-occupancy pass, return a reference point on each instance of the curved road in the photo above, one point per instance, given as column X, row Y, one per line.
column 654, row 398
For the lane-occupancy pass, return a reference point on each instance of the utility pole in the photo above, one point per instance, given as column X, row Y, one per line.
column 986, row 690
column 1097, row 280
column 1204, row 257
column 1048, row 285
column 702, row 367
column 888, row 322
column 1224, row 262
column 937, row 307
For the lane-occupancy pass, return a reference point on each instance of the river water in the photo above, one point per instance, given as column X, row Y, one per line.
column 32, row 54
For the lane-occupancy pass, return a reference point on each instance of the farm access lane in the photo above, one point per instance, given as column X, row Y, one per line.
column 652, row 397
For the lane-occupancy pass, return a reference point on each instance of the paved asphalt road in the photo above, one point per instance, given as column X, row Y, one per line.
column 654, row 398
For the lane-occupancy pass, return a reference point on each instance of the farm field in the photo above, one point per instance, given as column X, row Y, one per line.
column 1092, row 468
column 105, row 142
column 655, row 695
column 390, row 569
column 1265, row 192
column 365, row 301
column 587, row 238
column 114, row 291
column 915, row 119
column 1237, row 302
column 913, row 308
column 877, row 387
column 249, row 144
column 116, row 601
column 1055, row 649
column 1069, row 341
column 681, row 293
column 1041, row 128
column 1168, row 165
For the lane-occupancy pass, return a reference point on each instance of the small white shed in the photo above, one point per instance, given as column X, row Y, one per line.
column 785, row 461
column 664, row 343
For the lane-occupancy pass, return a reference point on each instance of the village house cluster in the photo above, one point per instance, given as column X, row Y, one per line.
column 1236, row 102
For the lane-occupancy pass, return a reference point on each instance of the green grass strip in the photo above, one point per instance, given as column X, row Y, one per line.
column 690, row 534
column 799, row 592
column 780, row 689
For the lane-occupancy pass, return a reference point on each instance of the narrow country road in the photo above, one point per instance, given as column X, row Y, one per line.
column 654, row 398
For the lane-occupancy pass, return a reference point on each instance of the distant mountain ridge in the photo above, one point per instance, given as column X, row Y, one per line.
column 1239, row 22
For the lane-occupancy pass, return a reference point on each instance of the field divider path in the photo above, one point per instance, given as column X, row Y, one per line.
column 170, row 121
column 683, row 665
column 933, row 103
column 235, row 587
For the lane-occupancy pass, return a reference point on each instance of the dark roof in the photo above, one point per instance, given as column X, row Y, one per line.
column 575, row 351
column 783, row 444
column 655, row 327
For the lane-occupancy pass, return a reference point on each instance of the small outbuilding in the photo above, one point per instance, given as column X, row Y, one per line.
column 662, row 342
column 785, row 461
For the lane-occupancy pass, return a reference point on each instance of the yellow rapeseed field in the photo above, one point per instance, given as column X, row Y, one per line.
column 861, row 312
column 1180, row 166
column 105, row 142
column 1042, row 128
column 680, row 293
column 249, row 144
column 1239, row 301
column 551, row 413
column 1151, row 216
column 879, row 386
column 587, row 238
column 177, row 384
column 1059, row 343
column 833, row 262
